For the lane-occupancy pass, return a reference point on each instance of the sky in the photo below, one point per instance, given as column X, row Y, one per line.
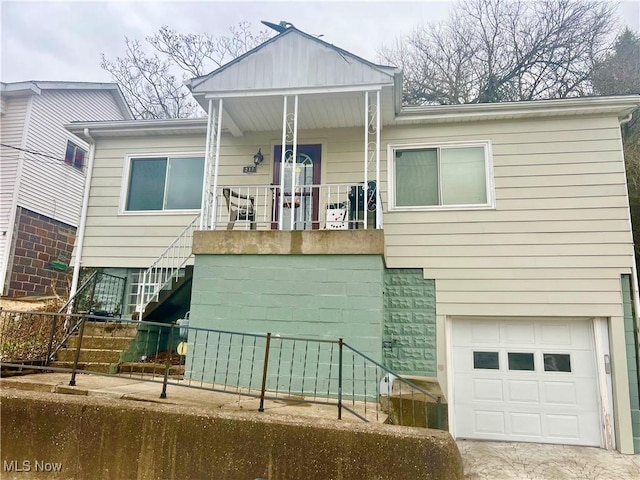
column 63, row 40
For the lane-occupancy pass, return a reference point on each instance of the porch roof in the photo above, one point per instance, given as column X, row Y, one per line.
column 329, row 81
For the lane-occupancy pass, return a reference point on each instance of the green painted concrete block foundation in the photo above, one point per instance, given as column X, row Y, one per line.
column 409, row 322
column 323, row 297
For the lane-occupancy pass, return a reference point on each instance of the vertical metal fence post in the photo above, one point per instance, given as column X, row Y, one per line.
column 93, row 294
column 167, row 364
column 340, row 343
column 50, row 346
column 264, row 372
column 439, row 412
column 72, row 382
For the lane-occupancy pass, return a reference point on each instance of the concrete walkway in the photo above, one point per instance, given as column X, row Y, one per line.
column 482, row 460
column 520, row 461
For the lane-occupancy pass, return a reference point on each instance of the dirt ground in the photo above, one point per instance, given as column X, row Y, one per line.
column 33, row 305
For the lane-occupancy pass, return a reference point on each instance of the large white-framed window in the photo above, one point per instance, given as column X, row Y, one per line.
column 441, row 176
column 161, row 183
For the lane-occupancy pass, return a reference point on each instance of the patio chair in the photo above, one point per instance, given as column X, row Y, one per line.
column 239, row 209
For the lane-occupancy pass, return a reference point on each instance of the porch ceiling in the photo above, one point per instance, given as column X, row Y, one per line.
column 315, row 111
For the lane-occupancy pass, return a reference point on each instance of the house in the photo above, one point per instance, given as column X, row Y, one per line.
column 43, row 176
column 488, row 246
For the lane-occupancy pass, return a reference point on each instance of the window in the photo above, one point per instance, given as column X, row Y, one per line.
column 486, row 360
column 164, row 183
column 557, row 362
column 74, row 155
column 441, row 176
column 521, row 361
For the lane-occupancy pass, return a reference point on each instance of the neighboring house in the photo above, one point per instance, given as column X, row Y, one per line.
column 43, row 176
column 488, row 246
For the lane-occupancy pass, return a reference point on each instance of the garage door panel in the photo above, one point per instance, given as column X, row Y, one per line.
column 565, row 427
column 487, row 390
column 528, row 424
column 483, row 333
column 523, row 391
column 555, row 335
column 521, row 333
column 533, row 380
column 560, row 393
column 489, row 422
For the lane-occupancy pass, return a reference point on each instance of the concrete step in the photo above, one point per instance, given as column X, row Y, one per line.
column 89, row 355
column 110, row 329
column 151, row 368
column 100, row 367
column 100, row 342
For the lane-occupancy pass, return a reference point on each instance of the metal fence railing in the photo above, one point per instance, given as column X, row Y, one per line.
column 264, row 366
column 99, row 292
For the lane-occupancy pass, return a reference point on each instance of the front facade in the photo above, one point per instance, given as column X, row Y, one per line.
column 43, row 176
column 486, row 246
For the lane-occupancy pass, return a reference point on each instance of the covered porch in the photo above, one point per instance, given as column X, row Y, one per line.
column 287, row 97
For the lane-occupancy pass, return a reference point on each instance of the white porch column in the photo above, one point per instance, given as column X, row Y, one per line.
column 366, row 163
column 294, row 161
column 371, row 153
column 205, row 205
column 378, row 198
column 289, row 137
column 282, row 158
column 216, row 141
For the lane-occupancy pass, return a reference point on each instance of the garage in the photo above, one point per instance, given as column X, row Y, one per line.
column 525, row 380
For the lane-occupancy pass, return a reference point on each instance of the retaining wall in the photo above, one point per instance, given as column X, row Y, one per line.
column 102, row 438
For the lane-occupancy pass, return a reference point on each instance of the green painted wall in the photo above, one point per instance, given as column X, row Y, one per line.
column 317, row 296
column 632, row 359
column 410, row 322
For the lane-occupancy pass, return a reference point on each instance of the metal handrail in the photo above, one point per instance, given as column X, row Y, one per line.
column 390, row 372
column 80, row 290
column 166, row 267
column 264, row 366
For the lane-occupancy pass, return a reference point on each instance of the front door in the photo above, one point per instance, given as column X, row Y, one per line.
column 300, row 206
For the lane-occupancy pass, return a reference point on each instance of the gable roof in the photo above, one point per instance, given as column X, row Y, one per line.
column 35, row 87
column 290, row 60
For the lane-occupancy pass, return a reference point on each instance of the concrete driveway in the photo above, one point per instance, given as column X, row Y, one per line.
column 534, row 461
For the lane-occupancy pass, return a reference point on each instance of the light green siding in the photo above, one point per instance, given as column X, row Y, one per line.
column 316, row 296
column 632, row 359
column 409, row 322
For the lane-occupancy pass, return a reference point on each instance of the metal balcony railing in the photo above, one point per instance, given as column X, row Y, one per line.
column 338, row 206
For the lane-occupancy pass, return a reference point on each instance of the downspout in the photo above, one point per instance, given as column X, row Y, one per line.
column 634, row 269
column 83, row 217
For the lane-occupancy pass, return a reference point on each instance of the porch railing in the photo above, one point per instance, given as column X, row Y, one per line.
column 166, row 267
column 338, row 206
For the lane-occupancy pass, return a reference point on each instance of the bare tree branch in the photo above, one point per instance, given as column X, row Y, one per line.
column 503, row 50
column 153, row 84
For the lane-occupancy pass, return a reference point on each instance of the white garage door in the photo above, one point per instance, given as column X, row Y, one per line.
column 526, row 381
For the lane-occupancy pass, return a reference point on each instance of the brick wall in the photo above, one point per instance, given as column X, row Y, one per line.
column 39, row 243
